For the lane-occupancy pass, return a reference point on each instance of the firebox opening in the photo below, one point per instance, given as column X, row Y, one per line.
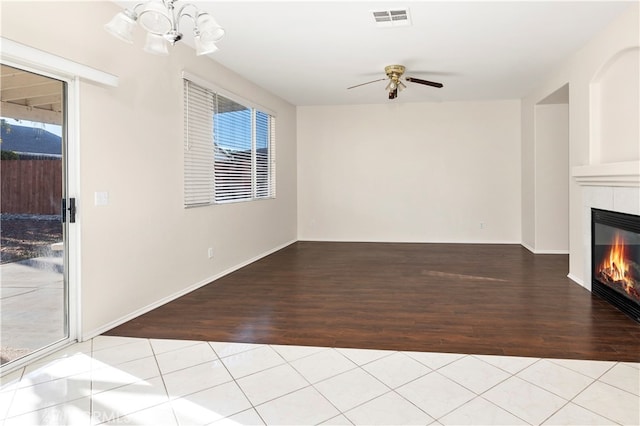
column 615, row 250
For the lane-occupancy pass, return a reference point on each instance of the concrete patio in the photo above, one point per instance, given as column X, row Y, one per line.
column 31, row 305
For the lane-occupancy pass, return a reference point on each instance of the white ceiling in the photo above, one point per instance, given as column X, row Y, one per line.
column 309, row 52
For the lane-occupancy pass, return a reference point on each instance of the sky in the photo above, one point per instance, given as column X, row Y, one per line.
column 52, row 128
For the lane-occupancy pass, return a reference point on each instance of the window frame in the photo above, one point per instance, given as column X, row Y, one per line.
column 212, row 198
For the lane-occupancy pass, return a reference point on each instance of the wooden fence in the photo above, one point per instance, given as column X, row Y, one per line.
column 31, row 186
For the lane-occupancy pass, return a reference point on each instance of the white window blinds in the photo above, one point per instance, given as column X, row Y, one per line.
column 229, row 149
column 198, row 148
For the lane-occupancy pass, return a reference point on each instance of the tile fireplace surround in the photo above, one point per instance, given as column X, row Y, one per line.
column 612, row 186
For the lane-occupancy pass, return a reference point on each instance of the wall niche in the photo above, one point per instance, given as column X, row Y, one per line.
column 615, row 110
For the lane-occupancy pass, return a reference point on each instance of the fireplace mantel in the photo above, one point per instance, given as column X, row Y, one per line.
column 610, row 174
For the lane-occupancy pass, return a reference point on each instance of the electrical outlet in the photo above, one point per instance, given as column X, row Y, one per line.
column 210, row 253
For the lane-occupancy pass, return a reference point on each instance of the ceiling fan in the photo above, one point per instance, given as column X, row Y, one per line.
column 394, row 72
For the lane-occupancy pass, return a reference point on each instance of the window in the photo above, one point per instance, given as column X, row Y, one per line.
column 229, row 149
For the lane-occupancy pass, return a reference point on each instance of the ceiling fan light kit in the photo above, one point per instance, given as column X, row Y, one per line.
column 394, row 73
column 161, row 19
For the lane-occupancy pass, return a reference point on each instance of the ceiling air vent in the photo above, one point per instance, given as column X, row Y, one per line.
column 392, row 18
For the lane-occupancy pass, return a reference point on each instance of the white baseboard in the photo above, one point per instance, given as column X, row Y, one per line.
column 96, row 332
column 551, row 252
column 528, row 247
column 534, row 251
column 334, row 240
column 576, row 279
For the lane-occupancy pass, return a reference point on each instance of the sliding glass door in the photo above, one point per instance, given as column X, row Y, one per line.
column 34, row 296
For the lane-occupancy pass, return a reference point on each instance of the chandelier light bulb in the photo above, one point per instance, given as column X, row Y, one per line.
column 203, row 47
column 156, row 45
column 156, row 18
column 210, row 30
column 121, row 26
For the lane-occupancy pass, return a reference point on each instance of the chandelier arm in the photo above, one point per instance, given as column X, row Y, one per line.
column 181, row 11
column 183, row 14
column 173, row 35
column 172, row 14
column 134, row 9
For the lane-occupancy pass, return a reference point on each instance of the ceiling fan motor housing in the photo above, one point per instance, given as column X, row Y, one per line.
column 394, row 72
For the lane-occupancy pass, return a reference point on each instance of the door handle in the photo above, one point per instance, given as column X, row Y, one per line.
column 71, row 209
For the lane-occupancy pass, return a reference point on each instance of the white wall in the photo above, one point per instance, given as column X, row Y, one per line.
column 144, row 247
column 528, row 188
column 417, row 172
column 615, row 115
column 552, row 178
column 581, row 71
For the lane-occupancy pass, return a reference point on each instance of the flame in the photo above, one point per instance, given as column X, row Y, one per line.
column 614, row 266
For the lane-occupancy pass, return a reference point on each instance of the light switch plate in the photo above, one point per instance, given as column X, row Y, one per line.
column 101, row 198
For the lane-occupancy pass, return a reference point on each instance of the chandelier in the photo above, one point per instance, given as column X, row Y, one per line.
column 161, row 19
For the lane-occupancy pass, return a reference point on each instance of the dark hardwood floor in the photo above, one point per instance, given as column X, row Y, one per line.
column 480, row 299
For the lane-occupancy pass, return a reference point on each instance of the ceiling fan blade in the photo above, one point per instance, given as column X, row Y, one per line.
column 368, row 82
column 425, row 82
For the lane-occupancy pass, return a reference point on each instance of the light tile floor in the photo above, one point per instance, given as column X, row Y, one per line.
column 118, row 380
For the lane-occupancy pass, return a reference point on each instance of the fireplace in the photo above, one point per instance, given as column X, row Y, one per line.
column 615, row 265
